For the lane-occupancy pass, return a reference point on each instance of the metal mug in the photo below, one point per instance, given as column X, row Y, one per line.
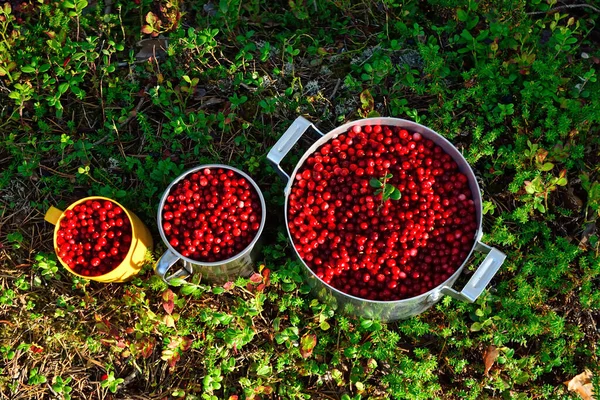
column 241, row 264
column 398, row 309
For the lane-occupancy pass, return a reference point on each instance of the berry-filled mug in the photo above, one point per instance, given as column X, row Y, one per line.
column 211, row 219
column 384, row 214
column 97, row 238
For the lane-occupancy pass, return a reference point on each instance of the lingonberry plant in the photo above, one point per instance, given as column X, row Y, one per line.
column 387, row 190
column 397, row 250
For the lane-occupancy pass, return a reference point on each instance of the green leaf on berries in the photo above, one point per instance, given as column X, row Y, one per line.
column 396, row 195
column 375, row 183
column 387, row 191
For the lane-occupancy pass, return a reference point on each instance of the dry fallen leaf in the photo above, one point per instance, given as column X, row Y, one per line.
column 588, row 231
column 582, row 384
column 256, row 278
column 489, row 357
column 169, row 321
column 168, row 301
column 154, row 47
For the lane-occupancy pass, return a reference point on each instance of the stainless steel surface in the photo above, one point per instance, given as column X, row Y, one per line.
column 217, row 272
column 287, row 141
column 165, row 262
column 480, row 279
column 400, row 309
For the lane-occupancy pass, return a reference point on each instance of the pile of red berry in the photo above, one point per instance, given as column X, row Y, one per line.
column 366, row 244
column 211, row 215
column 94, row 237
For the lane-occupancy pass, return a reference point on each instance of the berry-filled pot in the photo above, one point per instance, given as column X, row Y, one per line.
column 97, row 238
column 384, row 214
column 211, row 219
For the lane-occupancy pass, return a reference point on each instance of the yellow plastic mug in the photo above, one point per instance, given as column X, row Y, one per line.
column 141, row 241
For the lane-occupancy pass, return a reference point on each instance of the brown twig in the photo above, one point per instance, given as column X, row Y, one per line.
column 335, row 89
column 57, row 172
column 566, row 6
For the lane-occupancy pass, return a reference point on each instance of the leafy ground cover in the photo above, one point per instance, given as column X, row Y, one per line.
column 116, row 98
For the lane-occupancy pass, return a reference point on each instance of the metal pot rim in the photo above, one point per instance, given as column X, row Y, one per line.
column 396, row 122
column 227, row 260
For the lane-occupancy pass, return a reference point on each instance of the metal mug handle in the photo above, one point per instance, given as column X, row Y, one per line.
column 165, row 262
column 286, row 142
column 482, row 276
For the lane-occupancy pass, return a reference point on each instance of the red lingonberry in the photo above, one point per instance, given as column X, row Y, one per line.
column 84, row 237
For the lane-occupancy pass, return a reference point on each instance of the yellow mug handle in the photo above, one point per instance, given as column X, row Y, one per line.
column 53, row 215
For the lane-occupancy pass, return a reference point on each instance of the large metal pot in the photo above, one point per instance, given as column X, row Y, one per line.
column 400, row 309
column 241, row 264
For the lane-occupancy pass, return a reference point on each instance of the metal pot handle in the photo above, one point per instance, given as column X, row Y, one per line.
column 165, row 262
column 286, row 142
column 482, row 276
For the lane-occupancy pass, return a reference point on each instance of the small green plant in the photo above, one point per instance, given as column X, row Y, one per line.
column 387, row 190
column 35, row 378
column 7, row 296
column 21, row 94
column 111, row 383
column 367, row 105
column 76, row 8
column 174, row 348
column 537, row 155
column 22, row 284
column 540, row 187
column 46, row 265
column 61, row 386
column 16, row 239
column 212, row 381
column 593, row 193
column 169, row 10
